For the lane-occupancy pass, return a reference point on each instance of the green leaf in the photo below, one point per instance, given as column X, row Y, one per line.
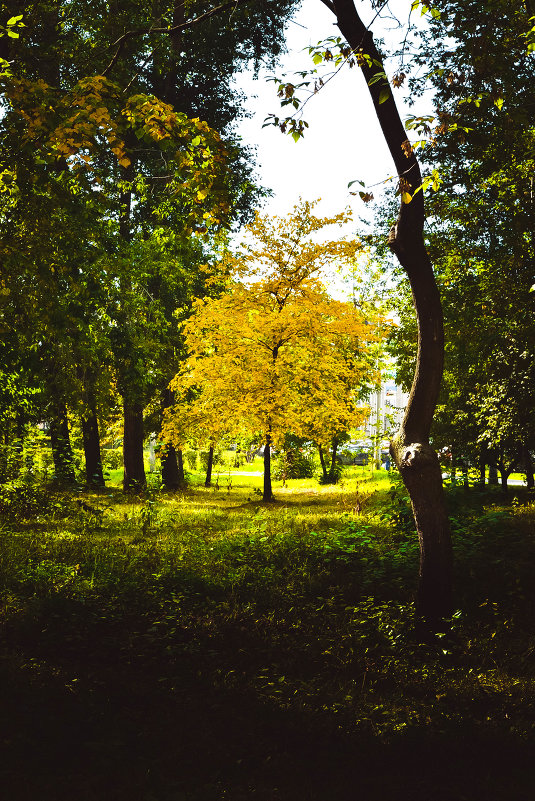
column 383, row 97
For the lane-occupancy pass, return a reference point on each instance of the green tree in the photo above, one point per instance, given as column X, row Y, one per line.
column 481, row 224
column 108, row 126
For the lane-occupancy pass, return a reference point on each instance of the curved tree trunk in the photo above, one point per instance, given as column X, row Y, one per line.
column 415, row 458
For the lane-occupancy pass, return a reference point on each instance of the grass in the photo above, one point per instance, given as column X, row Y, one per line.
column 205, row 646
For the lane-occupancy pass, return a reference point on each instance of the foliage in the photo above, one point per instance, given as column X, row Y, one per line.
column 297, row 620
column 294, row 460
column 481, row 223
column 116, row 186
column 275, row 353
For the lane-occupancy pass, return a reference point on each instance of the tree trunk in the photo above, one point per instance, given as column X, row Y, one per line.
column 323, row 466
column 504, row 471
column 415, row 458
column 504, row 476
column 170, row 470
column 493, row 474
column 61, row 445
column 180, row 466
column 94, row 476
column 482, row 467
column 332, row 469
column 172, row 476
column 268, row 491
column 528, row 467
column 208, row 479
column 134, row 468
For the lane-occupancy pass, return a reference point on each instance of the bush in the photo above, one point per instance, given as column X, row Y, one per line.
column 112, row 458
column 190, row 457
column 218, row 458
column 398, row 511
column 294, row 463
column 23, row 499
column 332, row 477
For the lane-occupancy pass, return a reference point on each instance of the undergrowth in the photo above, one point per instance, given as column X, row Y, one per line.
column 303, row 607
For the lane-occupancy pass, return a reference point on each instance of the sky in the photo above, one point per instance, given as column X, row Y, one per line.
column 343, row 142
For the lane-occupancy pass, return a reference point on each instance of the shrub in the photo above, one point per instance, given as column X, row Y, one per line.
column 294, row 463
column 112, row 458
column 190, row 456
column 23, row 499
column 218, row 458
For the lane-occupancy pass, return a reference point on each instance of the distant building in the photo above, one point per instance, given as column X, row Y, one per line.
column 387, row 406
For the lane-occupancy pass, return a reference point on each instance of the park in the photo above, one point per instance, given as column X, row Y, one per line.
column 267, row 510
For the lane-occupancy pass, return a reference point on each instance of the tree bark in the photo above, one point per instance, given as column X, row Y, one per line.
column 170, row 470
column 94, row 475
column 180, row 466
column 504, row 471
column 415, row 458
column 493, row 474
column 528, row 467
column 482, row 466
column 134, row 468
column 268, row 491
column 208, row 479
column 61, row 445
column 323, row 466
column 332, row 469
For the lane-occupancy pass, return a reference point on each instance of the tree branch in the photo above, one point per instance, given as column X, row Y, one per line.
column 121, row 41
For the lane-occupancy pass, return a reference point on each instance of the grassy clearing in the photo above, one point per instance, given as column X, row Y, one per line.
column 206, row 647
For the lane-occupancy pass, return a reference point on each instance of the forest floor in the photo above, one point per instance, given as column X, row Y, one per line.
column 204, row 646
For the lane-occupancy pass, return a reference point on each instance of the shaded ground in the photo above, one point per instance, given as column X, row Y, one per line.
column 273, row 662
column 114, row 714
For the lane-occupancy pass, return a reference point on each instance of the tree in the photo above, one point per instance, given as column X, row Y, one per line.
column 275, row 347
column 481, row 225
column 132, row 148
column 415, row 458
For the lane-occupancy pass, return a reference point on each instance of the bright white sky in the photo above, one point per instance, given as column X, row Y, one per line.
column 344, row 141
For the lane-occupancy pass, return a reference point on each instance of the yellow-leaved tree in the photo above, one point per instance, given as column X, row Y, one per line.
column 275, row 353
